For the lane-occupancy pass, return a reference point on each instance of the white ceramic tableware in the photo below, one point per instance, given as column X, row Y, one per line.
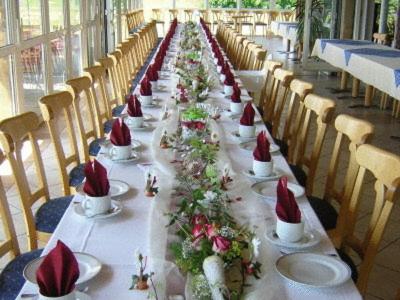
column 267, row 189
column 120, row 152
column 262, row 168
column 228, row 90
column 154, row 85
column 249, row 146
column 313, row 270
column 222, row 77
column 236, row 108
column 135, row 122
column 308, row 240
column 116, row 208
column 146, row 100
column 289, row 232
column 96, row 205
column 219, row 69
column 247, row 131
column 117, row 188
column 70, row 296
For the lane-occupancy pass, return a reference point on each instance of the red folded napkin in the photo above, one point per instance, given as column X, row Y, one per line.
column 120, row 134
column 247, row 118
column 96, row 184
column 236, row 93
column 226, row 68
column 134, row 107
column 229, row 78
column 145, row 87
column 152, row 73
column 261, row 152
column 57, row 274
column 286, row 208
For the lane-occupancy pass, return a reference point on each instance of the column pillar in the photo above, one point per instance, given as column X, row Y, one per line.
column 334, row 19
column 347, row 19
column 357, row 19
column 383, row 16
column 307, row 27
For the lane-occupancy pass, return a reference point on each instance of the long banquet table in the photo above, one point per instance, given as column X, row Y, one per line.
column 141, row 225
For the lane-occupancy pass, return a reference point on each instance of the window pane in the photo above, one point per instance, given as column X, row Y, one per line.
column 56, row 13
column 91, row 44
column 223, row 3
column 75, row 11
column 255, row 3
column 4, row 39
column 33, row 79
column 189, row 3
column 59, row 65
column 76, row 54
column 31, row 18
column 6, row 88
column 92, row 9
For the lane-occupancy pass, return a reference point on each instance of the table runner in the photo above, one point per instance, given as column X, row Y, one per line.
column 114, row 241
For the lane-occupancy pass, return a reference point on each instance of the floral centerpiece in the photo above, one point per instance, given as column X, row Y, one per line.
column 193, row 122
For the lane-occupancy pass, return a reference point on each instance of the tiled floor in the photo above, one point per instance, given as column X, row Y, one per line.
column 385, row 276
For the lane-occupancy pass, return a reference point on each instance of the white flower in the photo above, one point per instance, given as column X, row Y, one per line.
column 255, row 243
column 209, row 196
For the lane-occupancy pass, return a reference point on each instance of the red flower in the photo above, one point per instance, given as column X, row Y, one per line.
column 211, row 230
column 220, row 244
column 199, row 219
column 198, row 231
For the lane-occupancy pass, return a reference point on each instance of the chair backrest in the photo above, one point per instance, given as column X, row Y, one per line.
column 380, row 38
column 9, row 242
column 259, row 56
column 85, row 111
column 57, row 113
column 217, row 15
column 115, row 96
column 321, row 109
column 173, row 14
column 157, row 14
column 15, row 133
column 259, row 16
column 205, row 15
column 117, row 57
column 126, row 64
column 188, row 14
column 385, row 169
column 270, row 66
column 248, row 58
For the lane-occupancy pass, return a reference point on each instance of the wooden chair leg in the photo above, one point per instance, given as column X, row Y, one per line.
column 397, row 110
column 383, row 102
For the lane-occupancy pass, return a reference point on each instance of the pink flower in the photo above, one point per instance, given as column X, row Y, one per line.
column 197, row 231
column 220, row 244
column 211, row 230
column 199, row 219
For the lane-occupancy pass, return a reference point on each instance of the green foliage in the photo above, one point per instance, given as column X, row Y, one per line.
column 317, row 25
column 286, row 4
column 223, row 3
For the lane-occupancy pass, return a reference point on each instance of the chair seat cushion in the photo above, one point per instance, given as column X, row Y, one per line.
column 325, row 212
column 347, row 259
column 11, row 278
column 77, row 175
column 117, row 111
column 94, row 146
column 50, row 213
column 300, row 175
column 283, row 147
column 108, row 125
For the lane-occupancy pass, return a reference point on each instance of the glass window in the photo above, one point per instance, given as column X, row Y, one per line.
column 56, row 12
column 189, row 3
column 92, row 9
column 286, row 4
column 6, row 87
column 223, row 3
column 76, row 54
column 59, row 64
column 75, row 11
column 33, row 76
column 255, row 3
column 31, row 18
column 4, row 34
column 91, row 44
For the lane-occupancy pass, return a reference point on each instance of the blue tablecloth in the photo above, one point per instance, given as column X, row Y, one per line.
column 324, row 42
column 397, row 77
column 371, row 51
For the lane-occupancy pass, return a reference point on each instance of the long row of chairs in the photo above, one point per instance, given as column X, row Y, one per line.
column 243, row 53
column 298, row 121
column 77, row 120
column 134, row 19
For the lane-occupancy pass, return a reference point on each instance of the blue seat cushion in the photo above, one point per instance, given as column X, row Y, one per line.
column 300, row 175
column 50, row 213
column 95, row 146
column 325, row 212
column 282, row 146
column 348, row 260
column 117, row 111
column 108, row 126
column 77, row 175
column 11, row 278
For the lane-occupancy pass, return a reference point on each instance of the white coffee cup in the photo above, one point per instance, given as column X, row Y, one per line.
column 222, row 77
column 154, row 85
column 262, row 168
column 146, row 100
column 236, row 108
column 228, row 90
column 70, row 296
column 121, row 152
column 289, row 232
column 215, row 60
column 247, row 131
column 219, row 69
column 135, row 122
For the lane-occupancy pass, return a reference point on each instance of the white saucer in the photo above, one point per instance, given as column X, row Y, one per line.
column 243, row 139
column 152, row 105
column 145, row 127
column 313, row 270
column 116, row 208
column 276, row 174
column 134, row 143
column 117, row 188
column 134, row 157
column 250, row 146
column 310, row 239
column 267, row 189
column 89, row 267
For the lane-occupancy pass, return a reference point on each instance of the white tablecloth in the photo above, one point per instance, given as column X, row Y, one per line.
column 373, row 70
column 141, row 224
column 287, row 30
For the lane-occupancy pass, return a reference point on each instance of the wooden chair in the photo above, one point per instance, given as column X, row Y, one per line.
column 217, row 17
column 159, row 17
column 205, row 15
column 173, row 14
column 380, row 38
column 14, row 132
column 271, row 16
column 270, row 67
column 259, row 20
column 11, row 277
column 57, row 111
column 322, row 110
column 249, row 58
column 243, row 61
column 124, row 86
column 188, row 14
column 258, row 58
column 351, row 133
column 385, row 168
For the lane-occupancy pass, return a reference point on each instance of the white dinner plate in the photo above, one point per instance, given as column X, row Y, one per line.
column 268, row 189
column 309, row 239
column 117, row 188
column 134, row 157
column 250, row 146
column 116, row 208
column 276, row 174
column 236, row 135
column 89, row 267
column 313, row 270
